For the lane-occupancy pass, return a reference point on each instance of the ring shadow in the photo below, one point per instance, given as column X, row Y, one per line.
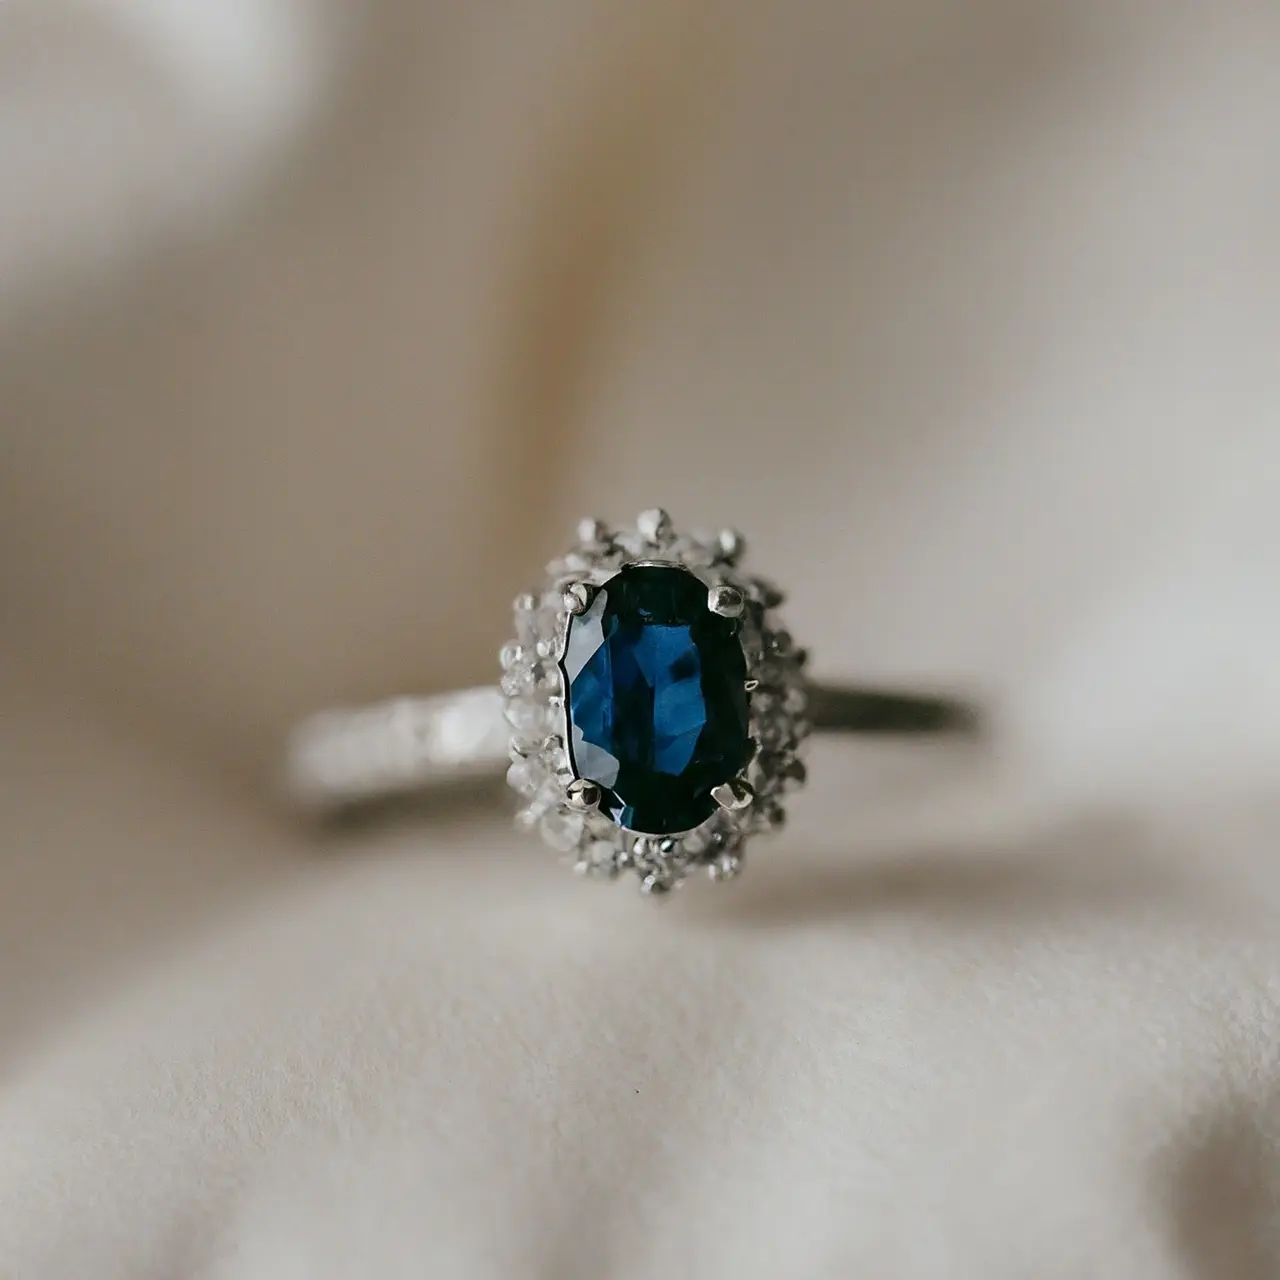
column 1222, row 1183
column 1224, row 1196
column 1099, row 864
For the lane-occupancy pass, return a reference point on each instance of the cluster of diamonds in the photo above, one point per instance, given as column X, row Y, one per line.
column 534, row 706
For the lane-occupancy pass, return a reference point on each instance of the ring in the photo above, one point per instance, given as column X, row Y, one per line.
column 651, row 715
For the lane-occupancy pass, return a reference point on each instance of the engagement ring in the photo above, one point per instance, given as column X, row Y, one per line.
column 651, row 714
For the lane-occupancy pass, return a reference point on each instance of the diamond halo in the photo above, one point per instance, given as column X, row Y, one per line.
column 536, row 707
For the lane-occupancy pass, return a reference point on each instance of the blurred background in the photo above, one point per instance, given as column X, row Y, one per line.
column 320, row 325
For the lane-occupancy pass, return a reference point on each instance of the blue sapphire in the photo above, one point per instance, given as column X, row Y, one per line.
column 656, row 699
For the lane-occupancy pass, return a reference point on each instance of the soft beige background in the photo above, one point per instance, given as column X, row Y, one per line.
column 320, row 327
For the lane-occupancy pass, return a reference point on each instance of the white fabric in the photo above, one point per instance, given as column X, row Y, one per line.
column 974, row 311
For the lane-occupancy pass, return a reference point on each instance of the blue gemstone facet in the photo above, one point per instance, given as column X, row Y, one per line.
column 656, row 699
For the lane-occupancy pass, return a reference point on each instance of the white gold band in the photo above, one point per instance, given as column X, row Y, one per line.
column 344, row 758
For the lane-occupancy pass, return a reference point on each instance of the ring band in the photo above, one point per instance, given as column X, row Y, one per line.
column 342, row 759
column 652, row 712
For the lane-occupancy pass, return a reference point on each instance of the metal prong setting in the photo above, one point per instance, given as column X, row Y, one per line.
column 734, row 795
column 727, row 601
column 654, row 525
column 582, row 795
column 578, row 597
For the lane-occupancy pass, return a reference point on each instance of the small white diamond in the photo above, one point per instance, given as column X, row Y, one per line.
column 693, row 551
column 562, row 829
column 527, row 718
column 599, row 860
column 632, row 543
column 537, row 625
column 548, row 796
column 796, row 700
column 602, row 827
column 657, row 883
column 698, row 841
column 726, row 866
column 517, row 681
column 525, row 776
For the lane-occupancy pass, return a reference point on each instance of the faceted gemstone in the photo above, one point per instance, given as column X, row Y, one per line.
column 562, row 829
column 657, row 704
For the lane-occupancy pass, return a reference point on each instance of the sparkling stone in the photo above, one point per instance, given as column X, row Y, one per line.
column 795, row 701
column 536, row 680
column 549, row 796
column 632, row 543
column 527, row 718
column 562, row 829
column 657, row 705
column 518, row 682
column 725, row 866
column 766, row 593
column 777, row 734
column 658, row 883
column 694, row 551
column 599, row 859
column 536, row 625
column 525, row 776
column 696, row 843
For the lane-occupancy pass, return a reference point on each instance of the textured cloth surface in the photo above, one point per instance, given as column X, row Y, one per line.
column 968, row 318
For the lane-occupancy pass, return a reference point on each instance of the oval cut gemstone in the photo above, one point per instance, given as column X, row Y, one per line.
column 656, row 699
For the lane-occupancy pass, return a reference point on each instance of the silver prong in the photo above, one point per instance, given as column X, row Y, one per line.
column 654, row 525
column 734, row 795
column 751, row 686
column 582, row 795
column 593, row 532
column 578, row 597
column 727, row 601
column 730, row 546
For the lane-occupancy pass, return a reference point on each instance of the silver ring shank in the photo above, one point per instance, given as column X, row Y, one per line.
column 344, row 758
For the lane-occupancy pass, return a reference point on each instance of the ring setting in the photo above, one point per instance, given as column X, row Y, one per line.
column 656, row 704
column 651, row 714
